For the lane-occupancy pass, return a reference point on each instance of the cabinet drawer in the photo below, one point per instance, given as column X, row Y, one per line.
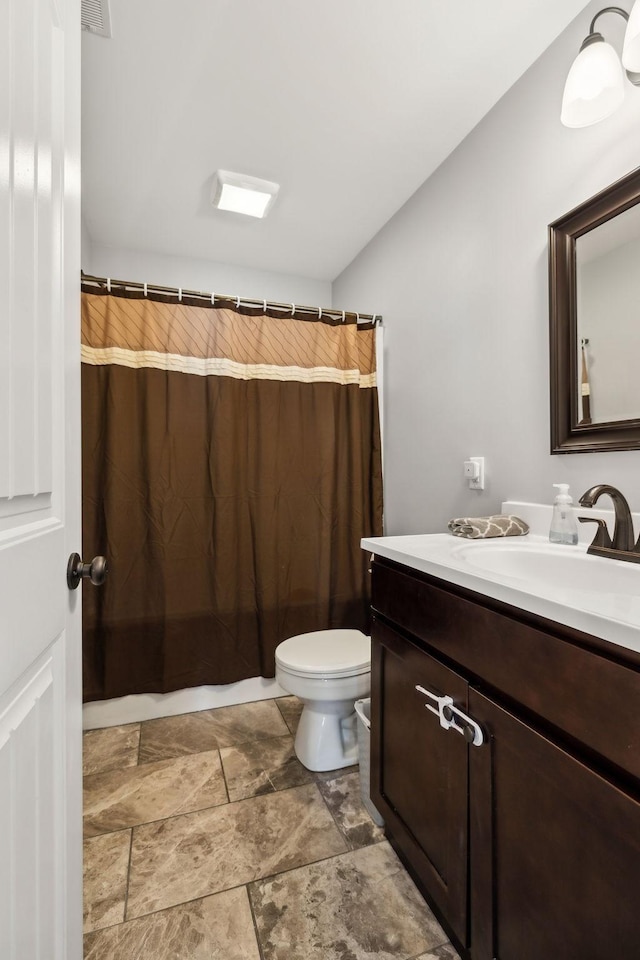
column 581, row 692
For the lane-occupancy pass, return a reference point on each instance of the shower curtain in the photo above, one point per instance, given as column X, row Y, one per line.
column 231, row 464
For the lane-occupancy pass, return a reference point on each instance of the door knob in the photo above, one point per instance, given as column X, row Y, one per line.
column 96, row 571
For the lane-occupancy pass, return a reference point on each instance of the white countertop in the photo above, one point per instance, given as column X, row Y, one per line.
column 594, row 604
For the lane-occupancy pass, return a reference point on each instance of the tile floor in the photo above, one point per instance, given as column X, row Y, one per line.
column 206, row 839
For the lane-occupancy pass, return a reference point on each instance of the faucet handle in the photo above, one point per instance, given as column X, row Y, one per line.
column 602, row 538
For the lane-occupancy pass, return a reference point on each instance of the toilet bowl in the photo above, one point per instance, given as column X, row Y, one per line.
column 328, row 670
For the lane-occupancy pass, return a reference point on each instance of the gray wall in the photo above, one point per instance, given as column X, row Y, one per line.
column 85, row 247
column 460, row 275
column 207, row 275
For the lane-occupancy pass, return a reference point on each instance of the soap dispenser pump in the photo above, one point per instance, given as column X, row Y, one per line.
column 564, row 528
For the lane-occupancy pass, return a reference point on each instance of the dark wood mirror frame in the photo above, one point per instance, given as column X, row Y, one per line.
column 567, row 434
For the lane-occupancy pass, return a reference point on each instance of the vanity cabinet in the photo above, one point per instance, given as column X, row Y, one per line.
column 424, row 776
column 528, row 845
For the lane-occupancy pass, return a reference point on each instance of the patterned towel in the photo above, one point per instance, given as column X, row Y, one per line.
column 479, row 528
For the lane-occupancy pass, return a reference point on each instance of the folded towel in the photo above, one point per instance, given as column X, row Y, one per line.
column 479, row 528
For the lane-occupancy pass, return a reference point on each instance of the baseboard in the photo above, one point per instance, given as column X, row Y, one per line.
column 149, row 706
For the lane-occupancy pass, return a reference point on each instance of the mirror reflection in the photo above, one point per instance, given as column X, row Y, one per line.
column 608, row 320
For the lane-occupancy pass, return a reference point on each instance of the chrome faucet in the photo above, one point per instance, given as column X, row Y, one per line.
column 622, row 546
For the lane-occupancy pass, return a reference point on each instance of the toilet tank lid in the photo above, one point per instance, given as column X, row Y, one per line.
column 326, row 651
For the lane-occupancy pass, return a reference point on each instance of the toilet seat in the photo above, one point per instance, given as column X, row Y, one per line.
column 330, row 654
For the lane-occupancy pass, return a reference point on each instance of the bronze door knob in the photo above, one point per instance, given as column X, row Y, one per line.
column 96, row 571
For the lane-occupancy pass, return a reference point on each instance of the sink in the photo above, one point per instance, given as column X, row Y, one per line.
column 553, row 565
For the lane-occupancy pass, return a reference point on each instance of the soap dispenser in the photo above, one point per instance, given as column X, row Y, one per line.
column 564, row 528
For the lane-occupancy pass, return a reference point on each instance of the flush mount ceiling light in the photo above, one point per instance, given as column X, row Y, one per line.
column 243, row 194
column 595, row 84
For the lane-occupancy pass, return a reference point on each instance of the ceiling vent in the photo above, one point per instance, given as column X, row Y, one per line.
column 96, row 17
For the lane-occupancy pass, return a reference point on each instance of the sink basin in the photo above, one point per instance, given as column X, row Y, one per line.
column 554, row 565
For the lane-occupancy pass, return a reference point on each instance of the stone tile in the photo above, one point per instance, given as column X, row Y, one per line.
column 356, row 906
column 320, row 775
column 342, row 796
column 110, row 749
column 216, row 928
column 106, row 861
column 262, row 766
column 202, row 853
column 445, row 952
column 291, row 709
column 153, row 791
column 210, row 729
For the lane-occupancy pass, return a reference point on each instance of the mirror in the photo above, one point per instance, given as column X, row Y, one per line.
column 594, row 281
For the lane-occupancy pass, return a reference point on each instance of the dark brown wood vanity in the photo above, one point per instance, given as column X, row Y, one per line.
column 528, row 845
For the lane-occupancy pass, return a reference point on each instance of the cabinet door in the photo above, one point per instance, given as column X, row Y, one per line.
column 419, row 771
column 555, row 850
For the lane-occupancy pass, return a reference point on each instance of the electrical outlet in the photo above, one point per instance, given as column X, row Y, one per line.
column 476, row 472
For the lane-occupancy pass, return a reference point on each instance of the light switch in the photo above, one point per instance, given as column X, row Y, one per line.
column 474, row 472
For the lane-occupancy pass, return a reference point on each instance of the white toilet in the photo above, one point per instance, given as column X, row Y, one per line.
column 328, row 670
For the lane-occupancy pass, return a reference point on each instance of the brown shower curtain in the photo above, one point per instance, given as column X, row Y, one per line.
column 231, row 464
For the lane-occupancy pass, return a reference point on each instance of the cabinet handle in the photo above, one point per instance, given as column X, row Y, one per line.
column 452, row 718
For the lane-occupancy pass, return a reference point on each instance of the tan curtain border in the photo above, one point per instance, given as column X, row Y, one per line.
column 214, row 367
column 141, row 332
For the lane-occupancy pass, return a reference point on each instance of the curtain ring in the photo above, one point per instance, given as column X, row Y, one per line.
column 293, row 309
column 238, row 303
column 108, row 284
column 357, row 318
column 213, row 299
column 343, row 317
column 264, row 307
column 319, row 313
column 180, row 294
column 144, row 289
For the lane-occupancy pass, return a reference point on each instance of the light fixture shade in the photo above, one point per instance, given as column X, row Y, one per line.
column 631, row 48
column 594, row 87
column 240, row 193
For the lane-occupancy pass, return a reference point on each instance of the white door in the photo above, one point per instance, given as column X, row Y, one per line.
column 40, row 676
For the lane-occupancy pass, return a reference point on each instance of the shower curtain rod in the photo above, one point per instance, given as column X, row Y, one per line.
column 212, row 298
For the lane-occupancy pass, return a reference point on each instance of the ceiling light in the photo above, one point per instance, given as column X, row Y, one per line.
column 595, row 85
column 242, row 194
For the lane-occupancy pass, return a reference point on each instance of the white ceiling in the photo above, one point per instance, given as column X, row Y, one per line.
column 348, row 104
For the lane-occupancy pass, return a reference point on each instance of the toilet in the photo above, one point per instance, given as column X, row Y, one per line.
column 328, row 670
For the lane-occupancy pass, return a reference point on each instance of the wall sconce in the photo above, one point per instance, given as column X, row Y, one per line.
column 595, row 83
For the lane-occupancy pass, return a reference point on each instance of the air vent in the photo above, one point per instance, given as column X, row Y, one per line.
column 96, row 17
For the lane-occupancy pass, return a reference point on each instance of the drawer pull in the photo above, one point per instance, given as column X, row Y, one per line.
column 452, row 718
